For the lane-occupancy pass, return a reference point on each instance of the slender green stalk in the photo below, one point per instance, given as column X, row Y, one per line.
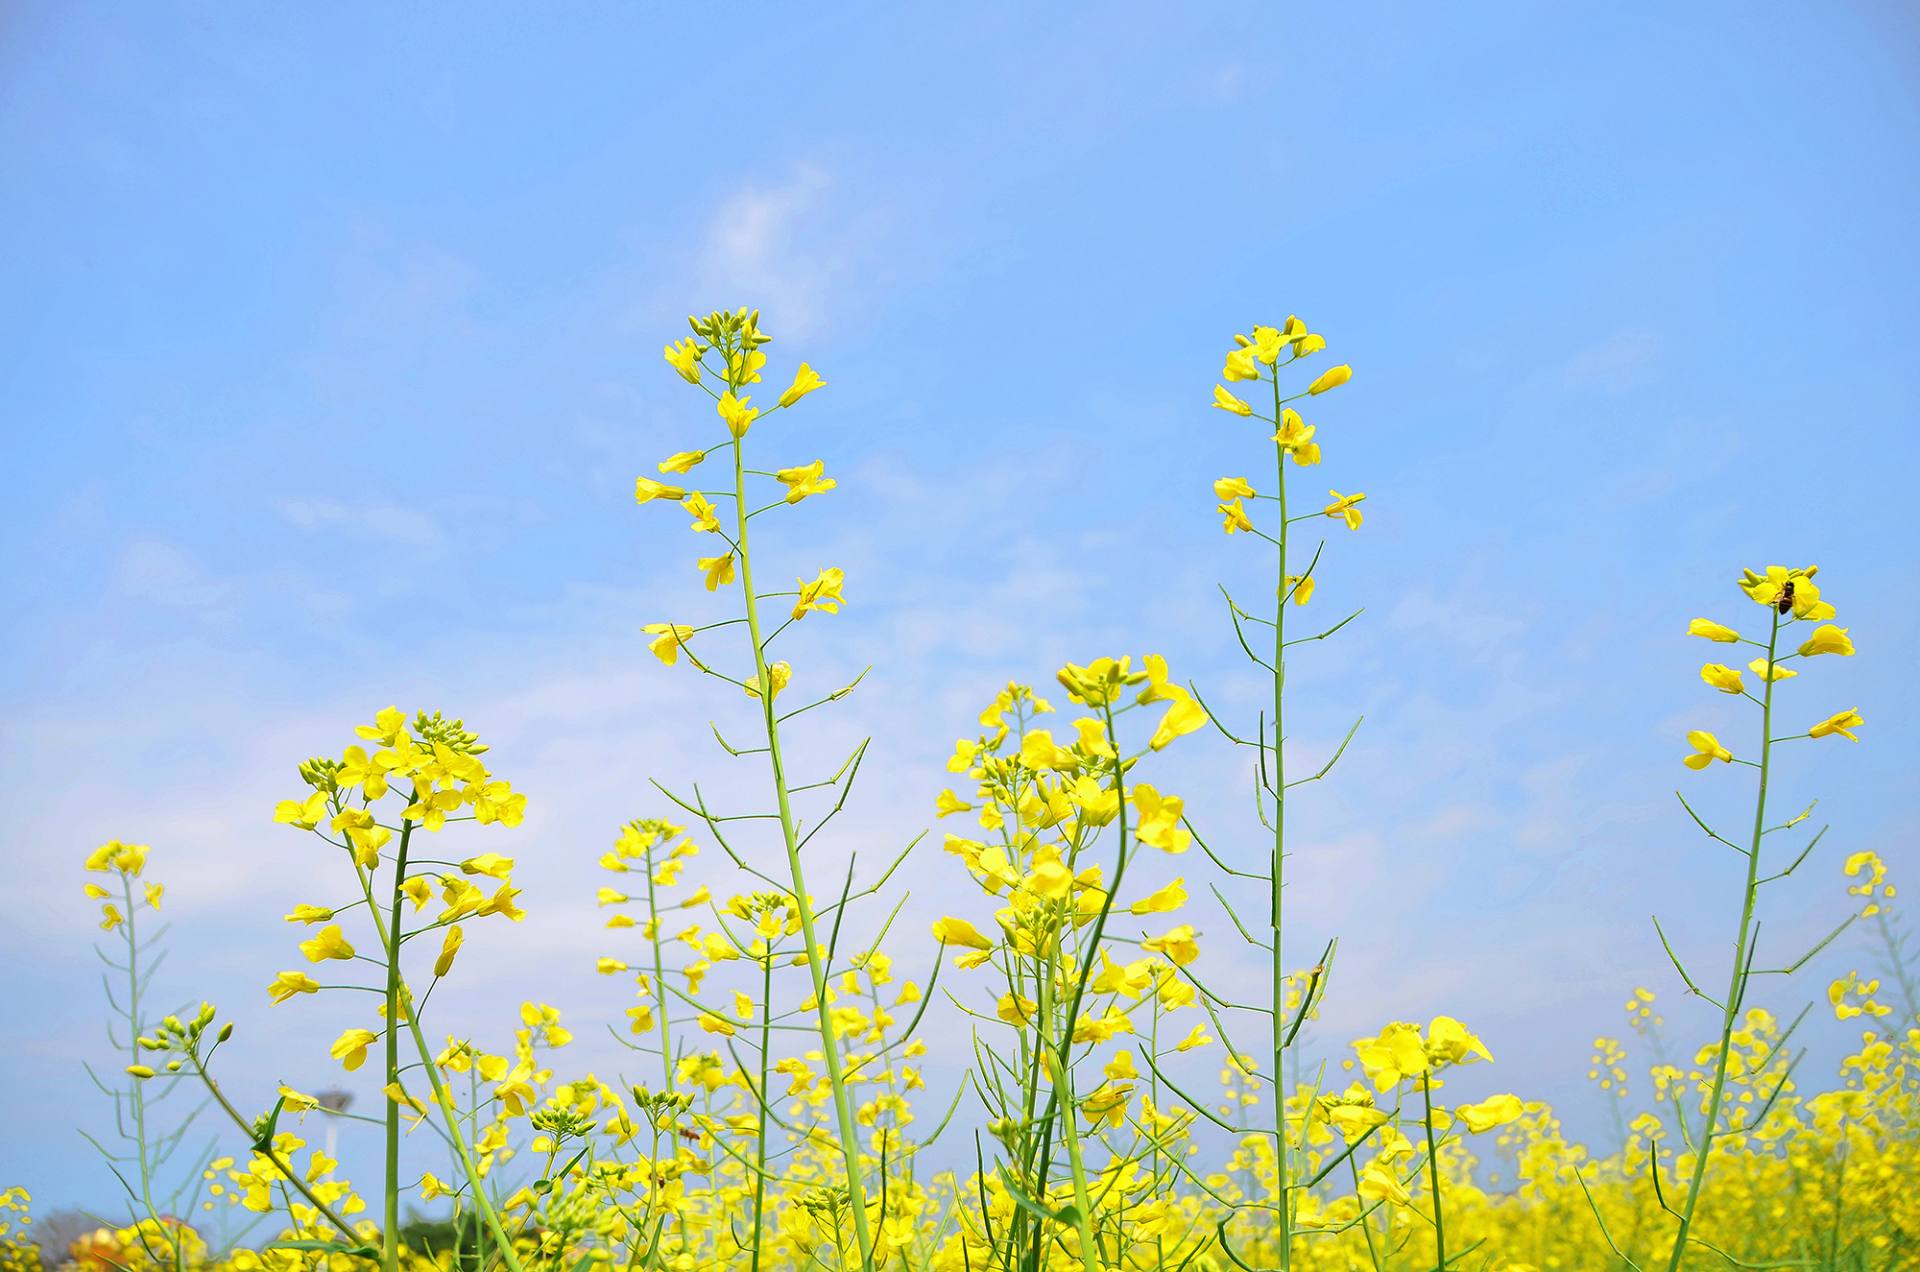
column 390, row 1223
column 136, row 1094
column 1282, row 1199
column 659, row 978
column 816, row 956
column 285, row 1165
column 1366, row 1225
column 444, row 1100
column 1057, row 1060
column 1061, row 1079
column 1433, row 1179
column 1737, row 982
column 400, row 1008
column 760, row 1133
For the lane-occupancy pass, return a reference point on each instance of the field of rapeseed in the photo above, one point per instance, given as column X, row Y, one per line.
column 1123, row 1109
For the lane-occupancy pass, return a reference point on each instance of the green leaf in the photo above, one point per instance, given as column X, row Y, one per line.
column 329, row 1247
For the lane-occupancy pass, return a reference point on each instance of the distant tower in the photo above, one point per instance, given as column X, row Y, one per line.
column 334, row 1101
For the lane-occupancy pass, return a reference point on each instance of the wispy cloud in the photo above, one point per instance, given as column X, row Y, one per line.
column 1619, row 362
column 161, row 573
column 798, row 247
column 385, row 523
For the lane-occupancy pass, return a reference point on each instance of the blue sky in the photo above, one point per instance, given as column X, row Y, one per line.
column 329, row 351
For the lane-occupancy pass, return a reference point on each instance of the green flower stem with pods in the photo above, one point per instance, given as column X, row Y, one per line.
column 400, row 1007
column 149, row 1151
column 1281, row 1151
column 1260, row 358
column 736, row 338
column 816, row 955
column 659, row 973
column 1737, row 984
column 390, row 1227
column 1784, row 592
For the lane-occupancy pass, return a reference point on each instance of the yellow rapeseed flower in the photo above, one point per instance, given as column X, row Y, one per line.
column 1707, row 629
column 1706, row 750
column 1840, row 722
column 1827, row 639
column 806, row 380
column 1331, row 378
column 1723, row 678
column 1228, row 402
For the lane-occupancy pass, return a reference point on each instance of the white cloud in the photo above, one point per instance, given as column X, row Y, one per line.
column 387, row 523
column 164, row 574
column 793, row 248
column 1615, row 364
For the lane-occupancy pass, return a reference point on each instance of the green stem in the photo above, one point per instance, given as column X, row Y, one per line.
column 816, row 956
column 1282, row 1199
column 136, row 1094
column 284, row 1164
column 1366, row 1225
column 444, row 1100
column 659, row 978
column 1737, row 983
column 1061, row 1079
column 400, row 1005
column 1092, row 948
column 1433, row 1180
column 760, row 1141
column 390, row 1224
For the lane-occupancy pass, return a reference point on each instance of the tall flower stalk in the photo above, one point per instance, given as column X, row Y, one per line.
column 433, row 766
column 149, row 1148
column 1268, row 355
column 725, row 349
column 1790, row 597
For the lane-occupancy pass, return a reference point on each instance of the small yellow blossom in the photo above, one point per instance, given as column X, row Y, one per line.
column 287, row 984
column 1240, row 366
column 952, row 931
column 779, row 674
column 1706, row 749
column 1707, row 629
column 668, row 640
column 1295, row 437
column 646, row 490
column 449, row 946
column 805, row 480
column 1343, row 508
column 328, row 943
column 1176, row 943
column 716, row 570
column 1495, row 1110
column 805, row 381
column 1331, row 378
column 1723, row 678
column 350, row 1048
column 1827, row 639
column 1228, row 402
column 738, row 415
column 1161, row 900
column 705, row 519
column 684, row 357
column 1840, row 722
column 823, row 594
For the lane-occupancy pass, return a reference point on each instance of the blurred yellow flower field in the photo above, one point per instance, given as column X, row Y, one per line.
column 1126, row 1104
